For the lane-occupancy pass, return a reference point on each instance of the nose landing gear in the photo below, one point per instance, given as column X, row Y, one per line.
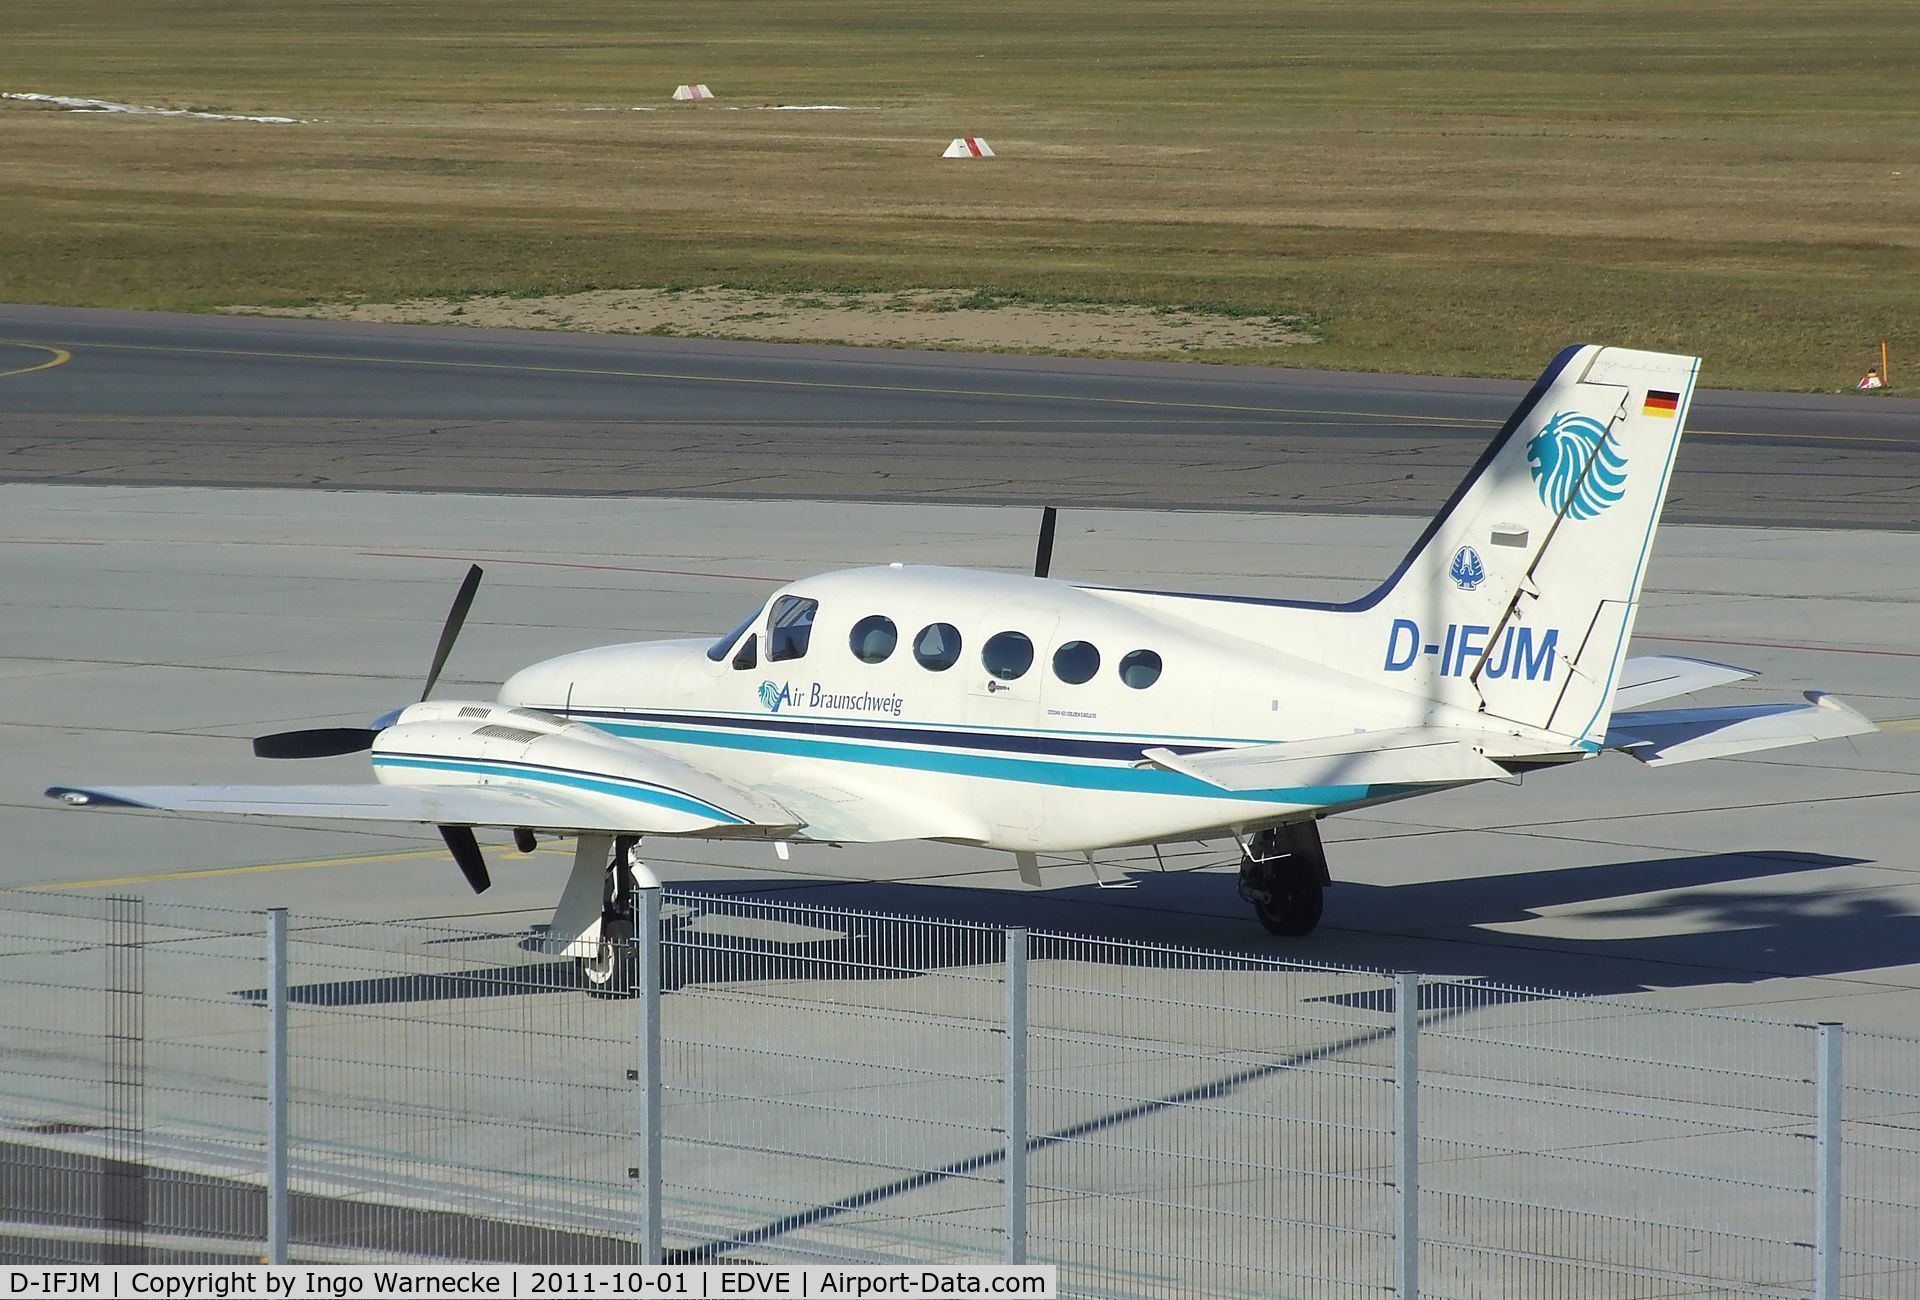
column 608, row 971
column 1283, row 873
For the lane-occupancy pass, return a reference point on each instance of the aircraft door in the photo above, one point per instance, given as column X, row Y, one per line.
column 1004, row 676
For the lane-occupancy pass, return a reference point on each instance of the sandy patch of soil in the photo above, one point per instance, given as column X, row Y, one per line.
column 940, row 318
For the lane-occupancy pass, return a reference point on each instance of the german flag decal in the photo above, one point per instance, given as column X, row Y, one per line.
column 1664, row 405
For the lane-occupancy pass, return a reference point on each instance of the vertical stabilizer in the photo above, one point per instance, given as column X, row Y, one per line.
column 1518, row 600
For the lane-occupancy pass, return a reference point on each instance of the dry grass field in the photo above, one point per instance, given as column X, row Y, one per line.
column 1428, row 185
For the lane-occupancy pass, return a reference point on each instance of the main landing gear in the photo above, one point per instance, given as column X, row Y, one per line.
column 608, row 971
column 1283, row 873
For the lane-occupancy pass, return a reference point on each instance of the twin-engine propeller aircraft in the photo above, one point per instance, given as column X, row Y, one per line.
column 1038, row 716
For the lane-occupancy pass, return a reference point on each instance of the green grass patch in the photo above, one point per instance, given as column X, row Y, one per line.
column 1435, row 186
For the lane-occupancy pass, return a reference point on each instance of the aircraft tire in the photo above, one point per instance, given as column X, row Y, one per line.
column 1294, row 902
column 609, row 973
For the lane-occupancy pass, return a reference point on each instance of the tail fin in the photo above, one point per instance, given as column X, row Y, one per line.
column 1518, row 600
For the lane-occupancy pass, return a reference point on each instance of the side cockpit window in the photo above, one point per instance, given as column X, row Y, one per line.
column 790, row 628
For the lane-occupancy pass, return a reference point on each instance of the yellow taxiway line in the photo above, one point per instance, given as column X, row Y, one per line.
column 60, row 357
column 204, row 873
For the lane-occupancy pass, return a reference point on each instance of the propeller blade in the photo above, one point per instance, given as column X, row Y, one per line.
column 456, row 618
column 1043, row 557
column 466, row 855
column 314, row 742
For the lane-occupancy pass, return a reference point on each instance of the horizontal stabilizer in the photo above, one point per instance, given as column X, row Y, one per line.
column 437, row 805
column 1400, row 756
column 1661, row 736
column 1651, row 678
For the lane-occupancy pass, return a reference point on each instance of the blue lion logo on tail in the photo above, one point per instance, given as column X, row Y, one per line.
column 1559, row 455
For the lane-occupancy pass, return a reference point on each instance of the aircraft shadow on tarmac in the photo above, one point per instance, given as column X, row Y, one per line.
column 1716, row 932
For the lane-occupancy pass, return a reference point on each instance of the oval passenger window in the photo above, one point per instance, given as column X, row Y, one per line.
column 1076, row 662
column 1140, row 669
column 1007, row 655
column 873, row 639
column 937, row 648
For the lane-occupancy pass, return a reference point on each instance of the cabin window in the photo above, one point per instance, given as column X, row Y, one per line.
column 1007, row 655
column 1140, row 669
column 1076, row 662
column 790, row 628
column 749, row 652
column 873, row 639
column 937, row 648
column 718, row 650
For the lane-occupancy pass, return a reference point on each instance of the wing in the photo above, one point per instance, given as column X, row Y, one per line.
column 1661, row 677
column 1400, row 756
column 1661, row 736
column 659, row 811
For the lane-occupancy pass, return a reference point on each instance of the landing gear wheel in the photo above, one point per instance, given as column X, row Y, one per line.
column 609, row 972
column 1293, row 904
column 1283, row 873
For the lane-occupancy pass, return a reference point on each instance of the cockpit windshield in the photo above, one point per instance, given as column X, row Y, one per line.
column 718, row 650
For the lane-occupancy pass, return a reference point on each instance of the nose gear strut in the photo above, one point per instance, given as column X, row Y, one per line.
column 609, row 972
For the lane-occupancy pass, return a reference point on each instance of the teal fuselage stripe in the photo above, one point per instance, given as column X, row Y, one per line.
column 568, row 780
column 1047, row 772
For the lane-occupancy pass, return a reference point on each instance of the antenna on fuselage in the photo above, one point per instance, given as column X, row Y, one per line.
column 1043, row 556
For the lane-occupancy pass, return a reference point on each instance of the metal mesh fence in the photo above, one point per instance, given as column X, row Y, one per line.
column 1209, row 1125
column 455, row 1093
column 836, row 1087
column 834, row 1084
column 1881, row 1167
column 1588, row 1148
column 131, row 1080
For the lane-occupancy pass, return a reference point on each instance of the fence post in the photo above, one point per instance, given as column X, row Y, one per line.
column 1406, row 1130
column 1016, row 1164
column 646, row 978
column 277, row 1202
column 1827, row 1187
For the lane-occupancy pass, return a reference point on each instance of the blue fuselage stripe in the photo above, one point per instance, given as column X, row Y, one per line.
column 1119, row 778
column 1125, row 749
column 598, row 783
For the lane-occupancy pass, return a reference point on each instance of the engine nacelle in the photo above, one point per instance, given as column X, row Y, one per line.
column 453, row 742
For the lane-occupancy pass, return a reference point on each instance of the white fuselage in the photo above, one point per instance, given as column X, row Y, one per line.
column 1026, row 761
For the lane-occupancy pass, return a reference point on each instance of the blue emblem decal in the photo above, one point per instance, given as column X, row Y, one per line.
column 1559, row 456
column 1467, row 572
column 774, row 694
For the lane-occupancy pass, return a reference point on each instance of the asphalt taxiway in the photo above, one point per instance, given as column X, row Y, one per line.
column 150, row 398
